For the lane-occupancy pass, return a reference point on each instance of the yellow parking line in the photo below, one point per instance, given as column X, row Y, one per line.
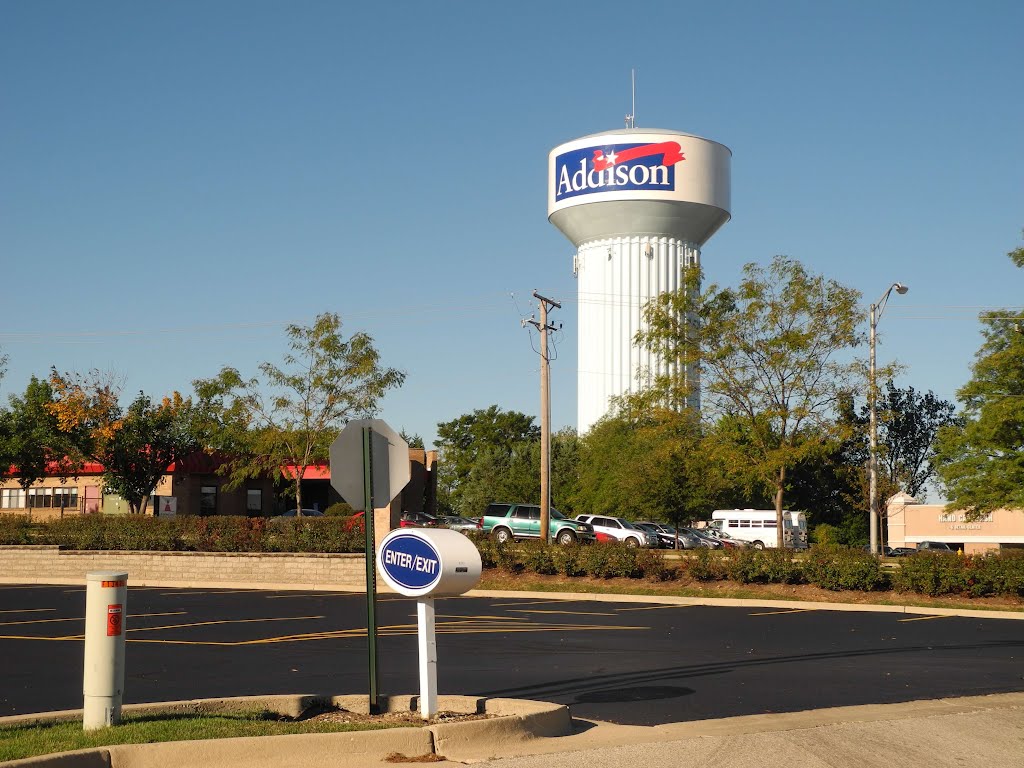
column 654, row 607
column 187, row 592
column 775, row 613
column 457, row 616
column 82, row 618
column 568, row 613
column 527, row 602
column 221, row 621
column 924, row 618
column 312, row 594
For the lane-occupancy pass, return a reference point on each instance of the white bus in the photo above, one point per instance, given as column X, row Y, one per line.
column 758, row 526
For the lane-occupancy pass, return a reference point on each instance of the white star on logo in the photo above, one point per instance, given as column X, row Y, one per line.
column 610, row 157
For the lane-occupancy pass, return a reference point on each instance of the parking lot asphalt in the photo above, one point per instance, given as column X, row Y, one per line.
column 620, row 662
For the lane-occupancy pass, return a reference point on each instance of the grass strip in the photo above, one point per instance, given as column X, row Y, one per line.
column 41, row 738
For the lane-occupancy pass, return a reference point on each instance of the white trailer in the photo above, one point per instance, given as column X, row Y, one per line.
column 759, row 527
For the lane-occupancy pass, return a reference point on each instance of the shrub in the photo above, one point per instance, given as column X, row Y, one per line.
column 15, row 529
column 705, row 565
column 826, row 534
column 927, row 573
column 485, row 546
column 654, row 567
column 569, row 560
column 506, row 557
column 339, row 509
column 538, row 557
column 763, row 566
column 835, row 567
column 78, row 532
column 598, row 560
column 1005, row 572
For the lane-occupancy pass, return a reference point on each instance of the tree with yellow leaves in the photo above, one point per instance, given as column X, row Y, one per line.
column 135, row 445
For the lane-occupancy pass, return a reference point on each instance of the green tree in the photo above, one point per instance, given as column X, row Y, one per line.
column 290, row 416
column 769, row 354
column 135, row 446
column 414, row 440
column 648, row 463
column 35, row 445
column 149, row 438
column 464, row 441
column 981, row 461
column 908, row 424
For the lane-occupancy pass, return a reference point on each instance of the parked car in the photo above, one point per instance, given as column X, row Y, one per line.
column 705, row 540
column 407, row 520
column 305, row 513
column 620, row 529
column 899, row 551
column 667, row 535
column 509, row 522
column 419, row 520
column 664, row 540
column 934, row 546
column 728, row 542
column 456, row 523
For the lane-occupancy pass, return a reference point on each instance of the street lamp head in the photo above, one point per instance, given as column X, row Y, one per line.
column 901, row 288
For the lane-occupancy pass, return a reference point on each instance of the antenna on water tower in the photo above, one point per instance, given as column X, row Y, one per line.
column 631, row 117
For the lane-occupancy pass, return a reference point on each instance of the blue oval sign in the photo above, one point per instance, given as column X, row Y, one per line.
column 410, row 562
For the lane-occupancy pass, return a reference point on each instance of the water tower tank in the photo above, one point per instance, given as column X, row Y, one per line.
column 638, row 204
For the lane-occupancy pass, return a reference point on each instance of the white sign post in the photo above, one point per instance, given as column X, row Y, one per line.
column 369, row 468
column 425, row 563
column 106, row 596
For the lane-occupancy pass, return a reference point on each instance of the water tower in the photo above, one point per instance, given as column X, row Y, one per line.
column 638, row 204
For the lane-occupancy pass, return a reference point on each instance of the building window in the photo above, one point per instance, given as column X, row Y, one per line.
column 254, row 501
column 40, row 498
column 12, row 498
column 208, row 500
column 65, row 498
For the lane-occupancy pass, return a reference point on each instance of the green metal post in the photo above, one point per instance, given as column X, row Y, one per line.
column 371, row 568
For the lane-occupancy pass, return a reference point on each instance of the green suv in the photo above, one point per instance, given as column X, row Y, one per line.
column 508, row 522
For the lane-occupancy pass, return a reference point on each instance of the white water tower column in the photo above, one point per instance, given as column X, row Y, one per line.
column 638, row 205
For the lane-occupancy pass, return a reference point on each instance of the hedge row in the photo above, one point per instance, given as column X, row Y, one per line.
column 828, row 566
column 831, row 567
column 188, row 533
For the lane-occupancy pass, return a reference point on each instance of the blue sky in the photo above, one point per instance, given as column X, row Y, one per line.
column 180, row 180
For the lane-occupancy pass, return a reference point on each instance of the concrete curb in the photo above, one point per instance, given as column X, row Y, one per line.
column 513, row 721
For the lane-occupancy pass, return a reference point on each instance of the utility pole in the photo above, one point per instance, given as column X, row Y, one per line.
column 545, row 412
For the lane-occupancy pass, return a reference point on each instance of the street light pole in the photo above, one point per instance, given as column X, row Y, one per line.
column 875, row 316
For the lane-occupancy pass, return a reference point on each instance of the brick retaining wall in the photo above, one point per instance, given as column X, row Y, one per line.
column 51, row 565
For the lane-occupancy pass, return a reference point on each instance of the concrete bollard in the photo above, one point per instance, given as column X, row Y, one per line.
column 103, row 683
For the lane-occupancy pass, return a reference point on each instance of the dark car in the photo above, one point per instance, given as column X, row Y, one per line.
column 899, row 551
column 667, row 535
column 305, row 513
column 934, row 546
column 705, row 541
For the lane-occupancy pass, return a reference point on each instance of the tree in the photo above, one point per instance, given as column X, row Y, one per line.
column 414, row 440
column 34, row 443
column 768, row 356
column 645, row 462
column 908, row 424
column 283, row 423
column 135, row 446
column 464, row 440
column 149, row 438
column 981, row 460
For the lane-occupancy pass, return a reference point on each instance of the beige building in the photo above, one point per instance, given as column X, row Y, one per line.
column 910, row 523
column 191, row 486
